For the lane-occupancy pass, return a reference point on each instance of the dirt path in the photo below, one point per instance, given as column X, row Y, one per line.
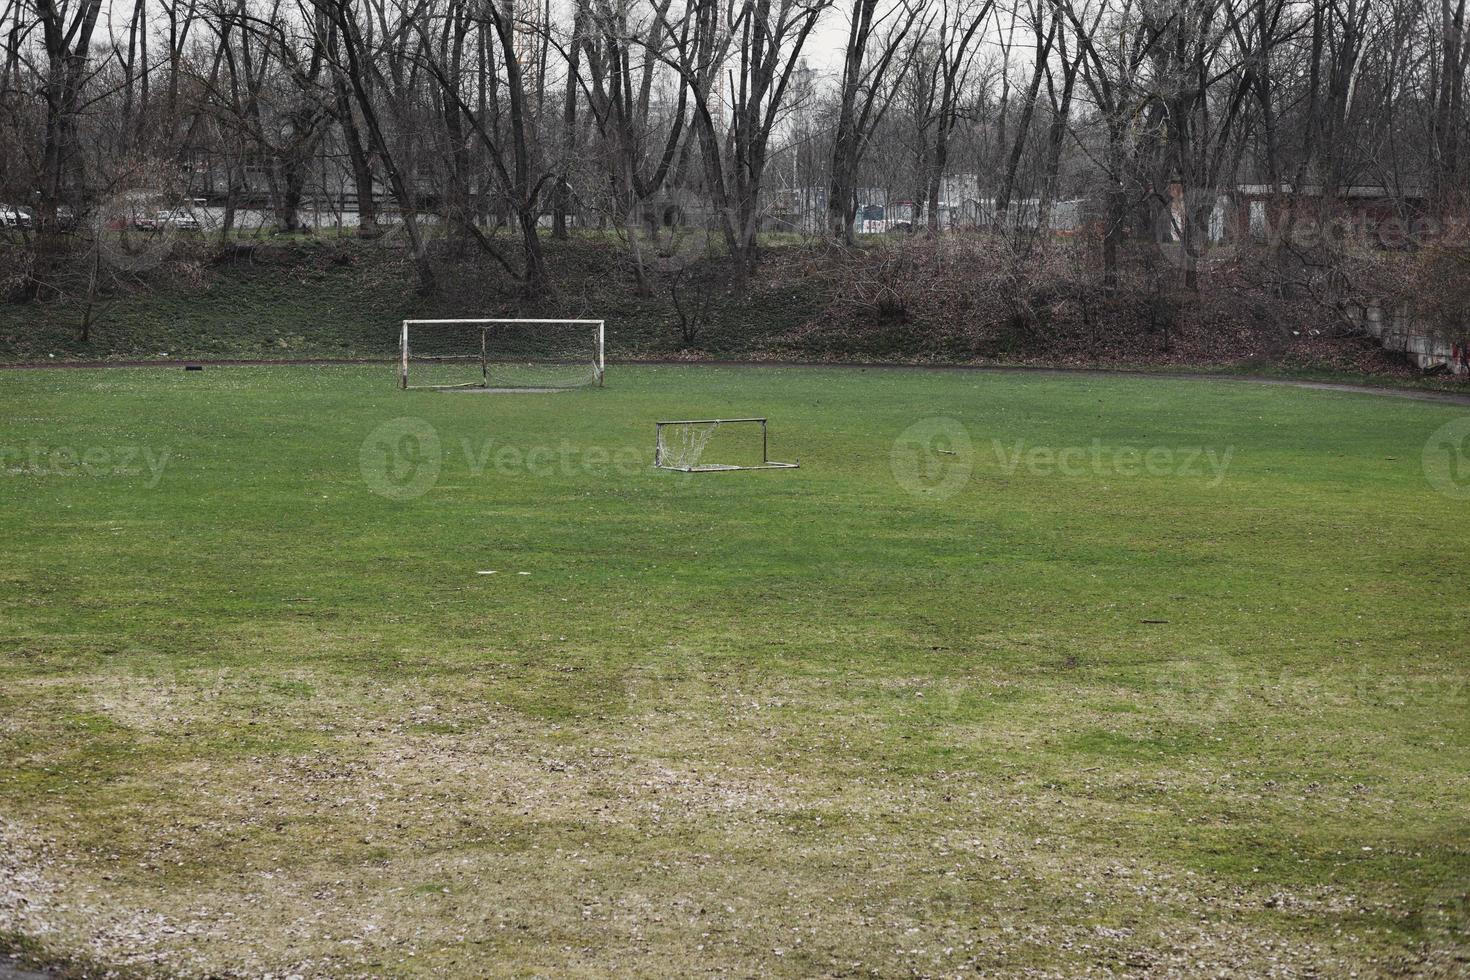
column 1415, row 394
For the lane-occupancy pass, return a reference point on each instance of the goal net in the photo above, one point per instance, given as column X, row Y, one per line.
column 714, row 445
column 492, row 354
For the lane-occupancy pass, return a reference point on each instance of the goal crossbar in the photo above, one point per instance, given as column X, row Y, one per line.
column 489, row 353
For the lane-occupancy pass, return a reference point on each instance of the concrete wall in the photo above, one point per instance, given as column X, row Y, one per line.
column 1397, row 331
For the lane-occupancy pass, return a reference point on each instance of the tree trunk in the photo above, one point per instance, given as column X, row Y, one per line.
column 561, row 197
column 523, row 189
column 362, row 174
column 842, row 190
column 1023, row 126
column 401, row 191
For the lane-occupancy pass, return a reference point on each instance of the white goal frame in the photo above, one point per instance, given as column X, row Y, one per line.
column 599, row 363
column 766, row 463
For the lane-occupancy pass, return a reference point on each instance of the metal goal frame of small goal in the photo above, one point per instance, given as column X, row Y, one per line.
column 689, row 462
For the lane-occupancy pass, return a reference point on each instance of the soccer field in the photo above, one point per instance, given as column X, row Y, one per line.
column 1075, row 675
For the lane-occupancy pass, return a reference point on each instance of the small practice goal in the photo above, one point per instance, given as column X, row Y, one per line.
column 714, row 446
column 496, row 355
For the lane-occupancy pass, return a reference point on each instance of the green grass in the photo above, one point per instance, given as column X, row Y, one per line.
column 258, row 717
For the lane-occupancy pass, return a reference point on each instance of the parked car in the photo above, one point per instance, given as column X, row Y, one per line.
column 15, row 216
column 172, row 218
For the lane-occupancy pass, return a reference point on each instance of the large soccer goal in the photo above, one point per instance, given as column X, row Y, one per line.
column 714, row 446
column 494, row 355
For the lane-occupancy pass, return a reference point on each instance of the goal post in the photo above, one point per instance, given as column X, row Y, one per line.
column 494, row 354
column 714, row 446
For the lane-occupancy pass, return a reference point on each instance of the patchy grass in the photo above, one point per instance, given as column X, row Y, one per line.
column 1077, row 713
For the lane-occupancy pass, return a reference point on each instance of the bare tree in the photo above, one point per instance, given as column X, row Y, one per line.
column 521, row 176
column 767, row 37
column 67, row 32
column 870, row 81
column 356, row 67
column 1044, row 30
column 638, row 159
column 1110, row 68
column 959, row 24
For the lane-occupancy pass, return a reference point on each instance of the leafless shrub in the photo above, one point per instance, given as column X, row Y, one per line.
column 692, row 296
column 1442, row 294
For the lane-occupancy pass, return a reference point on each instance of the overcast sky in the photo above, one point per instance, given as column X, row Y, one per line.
column 823, row 50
